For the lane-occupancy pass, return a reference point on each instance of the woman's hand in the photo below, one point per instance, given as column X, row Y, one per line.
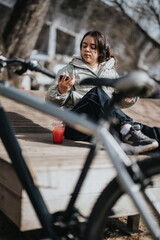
column 65, row 85
column 128, row 100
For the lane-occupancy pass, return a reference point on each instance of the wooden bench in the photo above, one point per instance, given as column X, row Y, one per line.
column 55, row 167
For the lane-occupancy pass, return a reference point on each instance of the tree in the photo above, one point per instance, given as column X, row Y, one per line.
column 22, row 30
column 145, row 14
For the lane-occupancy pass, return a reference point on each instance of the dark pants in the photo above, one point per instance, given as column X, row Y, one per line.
column 95, row 104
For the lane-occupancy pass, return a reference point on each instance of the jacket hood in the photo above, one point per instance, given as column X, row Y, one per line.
column 78, row 62
column 109, row 64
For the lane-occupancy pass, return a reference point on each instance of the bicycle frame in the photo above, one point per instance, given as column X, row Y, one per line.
column 100, row 134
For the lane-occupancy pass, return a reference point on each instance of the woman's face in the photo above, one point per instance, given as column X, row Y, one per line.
column 89, row 52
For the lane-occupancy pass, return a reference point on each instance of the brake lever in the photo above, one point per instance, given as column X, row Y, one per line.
column 21, row 71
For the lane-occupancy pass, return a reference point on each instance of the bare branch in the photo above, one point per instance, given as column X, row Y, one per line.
column 142, row 10
column 153, row 9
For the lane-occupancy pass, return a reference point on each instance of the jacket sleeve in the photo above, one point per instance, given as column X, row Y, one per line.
column 53, row 94
column 68, row 99
column 122, row 103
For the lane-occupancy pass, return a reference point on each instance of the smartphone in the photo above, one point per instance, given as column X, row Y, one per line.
column 62, row 76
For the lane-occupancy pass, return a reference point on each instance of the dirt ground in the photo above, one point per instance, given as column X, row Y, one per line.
column 8, row 231
column 122, row 234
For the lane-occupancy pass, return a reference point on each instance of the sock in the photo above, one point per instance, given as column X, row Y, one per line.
column 125, row 129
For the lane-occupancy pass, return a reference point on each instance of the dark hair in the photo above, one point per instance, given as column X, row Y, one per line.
column 100, row 40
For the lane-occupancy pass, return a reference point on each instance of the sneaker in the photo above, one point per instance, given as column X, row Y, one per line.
column 140, row 143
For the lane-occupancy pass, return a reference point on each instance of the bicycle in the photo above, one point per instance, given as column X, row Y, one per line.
column 132, row 178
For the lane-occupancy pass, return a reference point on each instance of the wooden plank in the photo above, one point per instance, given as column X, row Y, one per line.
column 9, row 179
column 10, row 204
column 27, row 119
column 146, row 111
column 56, row 185
column 56, row 169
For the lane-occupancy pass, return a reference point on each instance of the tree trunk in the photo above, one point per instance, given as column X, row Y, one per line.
column 22, row 30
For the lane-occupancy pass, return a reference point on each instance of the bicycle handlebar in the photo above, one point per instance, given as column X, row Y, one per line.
column 135, row 83
column 25, row 64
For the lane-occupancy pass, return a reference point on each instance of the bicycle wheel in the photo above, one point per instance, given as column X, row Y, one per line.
column 112, row 197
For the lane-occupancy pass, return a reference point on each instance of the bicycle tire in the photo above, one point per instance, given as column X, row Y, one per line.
column 108, row 198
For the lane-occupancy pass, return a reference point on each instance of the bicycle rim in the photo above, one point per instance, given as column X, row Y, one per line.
column 112, row 198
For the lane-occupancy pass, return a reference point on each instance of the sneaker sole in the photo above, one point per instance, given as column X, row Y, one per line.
column 142, row 149
column 149, row 147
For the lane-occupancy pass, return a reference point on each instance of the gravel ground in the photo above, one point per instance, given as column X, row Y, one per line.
column 8, row 231
column 117, row 234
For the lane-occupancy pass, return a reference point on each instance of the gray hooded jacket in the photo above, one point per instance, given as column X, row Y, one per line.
column 81, row 70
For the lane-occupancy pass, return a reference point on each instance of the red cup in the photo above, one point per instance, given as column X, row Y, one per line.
column 58, row 131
